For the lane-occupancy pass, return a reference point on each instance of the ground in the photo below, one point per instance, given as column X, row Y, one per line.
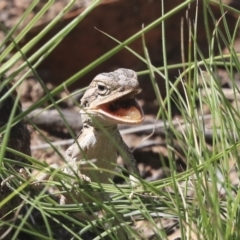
column 31, row 91
column 52, row 128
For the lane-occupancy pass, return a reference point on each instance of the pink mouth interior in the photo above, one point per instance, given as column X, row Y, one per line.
column 127, row 110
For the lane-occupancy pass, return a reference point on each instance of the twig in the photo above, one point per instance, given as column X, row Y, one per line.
column 52, row 119
column 146, row 128
column 228, row 93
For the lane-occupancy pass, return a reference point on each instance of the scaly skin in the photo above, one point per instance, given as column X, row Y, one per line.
column 108, row 101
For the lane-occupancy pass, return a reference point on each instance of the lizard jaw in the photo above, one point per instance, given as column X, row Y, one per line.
column 121, row 111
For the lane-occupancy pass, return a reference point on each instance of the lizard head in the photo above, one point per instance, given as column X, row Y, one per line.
column 110, row 98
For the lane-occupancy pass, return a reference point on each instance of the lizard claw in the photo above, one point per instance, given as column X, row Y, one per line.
column 135, row 183
column 22, row 172
column 84, row 178
column 43, row 176
column 64, row 198
column 6, row 180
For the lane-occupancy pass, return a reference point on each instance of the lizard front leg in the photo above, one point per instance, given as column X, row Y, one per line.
column 72, row 157
column 131, row 163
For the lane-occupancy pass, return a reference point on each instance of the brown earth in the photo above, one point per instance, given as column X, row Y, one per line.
column 85, row 43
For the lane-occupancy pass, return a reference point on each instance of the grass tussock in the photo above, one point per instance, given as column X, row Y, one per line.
column 202, row 202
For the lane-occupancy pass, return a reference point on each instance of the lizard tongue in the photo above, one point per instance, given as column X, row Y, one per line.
column 123, row 111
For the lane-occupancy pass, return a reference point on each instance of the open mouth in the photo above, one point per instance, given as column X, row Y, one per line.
column 123, row 110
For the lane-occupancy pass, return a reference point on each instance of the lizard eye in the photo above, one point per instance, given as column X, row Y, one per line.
column 102, row 89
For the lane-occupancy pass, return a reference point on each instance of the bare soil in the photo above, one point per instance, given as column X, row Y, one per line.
column 31, row 90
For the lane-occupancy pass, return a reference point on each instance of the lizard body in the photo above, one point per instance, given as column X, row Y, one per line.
column 97, row 149
column 108, row 101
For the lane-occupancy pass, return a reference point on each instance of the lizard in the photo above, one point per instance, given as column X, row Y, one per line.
column 108, row 101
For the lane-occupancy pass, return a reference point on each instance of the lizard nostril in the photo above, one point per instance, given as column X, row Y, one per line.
column 85, row 103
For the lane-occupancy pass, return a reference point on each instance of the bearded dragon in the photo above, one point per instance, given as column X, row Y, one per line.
column 108, row 101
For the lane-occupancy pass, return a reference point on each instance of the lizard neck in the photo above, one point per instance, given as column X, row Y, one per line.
column 97, row 123
column 109, row 128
